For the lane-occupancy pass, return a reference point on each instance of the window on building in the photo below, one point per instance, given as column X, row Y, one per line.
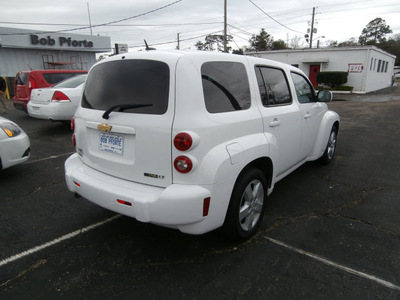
column 374, row 64
column 379, row 66
column 386, row 67
column 371, row 64
column 273, row 86
column 383, row 66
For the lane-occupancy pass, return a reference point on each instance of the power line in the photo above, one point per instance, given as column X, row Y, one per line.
column 116, row 25
column 103, row 24
column 274, row 19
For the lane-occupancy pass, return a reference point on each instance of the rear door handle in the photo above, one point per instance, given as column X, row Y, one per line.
column 275, row 123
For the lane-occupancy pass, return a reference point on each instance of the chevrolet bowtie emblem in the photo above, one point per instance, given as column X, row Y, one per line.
column 104, row 127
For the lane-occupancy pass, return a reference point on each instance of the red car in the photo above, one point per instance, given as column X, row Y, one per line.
column 25, row 81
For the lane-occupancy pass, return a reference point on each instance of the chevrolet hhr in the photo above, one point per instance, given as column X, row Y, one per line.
column 194, row 140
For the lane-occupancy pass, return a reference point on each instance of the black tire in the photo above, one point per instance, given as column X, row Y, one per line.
column 247, row 205
column 330, row 149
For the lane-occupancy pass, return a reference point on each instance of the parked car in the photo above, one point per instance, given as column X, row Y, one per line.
column 194, row 140
column 59, row 102
column 25, row 81
column 14, row 144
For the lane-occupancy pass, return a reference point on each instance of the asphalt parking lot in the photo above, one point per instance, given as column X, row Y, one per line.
column 330, row 232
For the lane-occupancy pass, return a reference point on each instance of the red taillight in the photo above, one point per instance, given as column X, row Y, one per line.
column 183, row 164
column 124, row 202
column 73, row 124
column 183, row 141
column 60, row 97
column 74, row 139
column 206, row 206
column 32, row 83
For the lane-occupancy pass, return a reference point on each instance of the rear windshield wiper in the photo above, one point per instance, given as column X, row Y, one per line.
column 122, row 107
column 235, row 104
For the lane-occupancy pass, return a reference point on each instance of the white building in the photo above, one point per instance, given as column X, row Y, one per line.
column 369, row 67
column 22, row 50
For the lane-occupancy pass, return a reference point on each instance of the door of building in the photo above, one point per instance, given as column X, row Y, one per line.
column 314, row 70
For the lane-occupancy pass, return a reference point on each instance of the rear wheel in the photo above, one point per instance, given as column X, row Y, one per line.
column 246, row 207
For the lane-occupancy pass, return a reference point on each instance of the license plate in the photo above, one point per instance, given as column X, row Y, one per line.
column 112, row 143
column 35, row 109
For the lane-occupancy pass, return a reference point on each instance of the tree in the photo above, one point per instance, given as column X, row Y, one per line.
column 261, row 42
column 374, row 32
column 350, row 43
column 332, row 43
column 278, row 45
column 213, row 42
column 295, row 42
column 393, row 47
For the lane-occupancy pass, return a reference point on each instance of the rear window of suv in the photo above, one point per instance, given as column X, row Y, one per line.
column 225, row 86
column 53, row 78
column 128, row 82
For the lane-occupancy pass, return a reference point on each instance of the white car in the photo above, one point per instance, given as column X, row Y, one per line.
column 59, row 102
column 195, row 140
column 14, row 144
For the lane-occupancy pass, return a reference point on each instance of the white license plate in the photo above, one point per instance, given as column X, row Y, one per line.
column 35, row 109
column 112, row 143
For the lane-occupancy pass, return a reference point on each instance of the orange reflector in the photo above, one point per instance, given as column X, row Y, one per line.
column 124, row 202
column 77, row 184
column 206, row 206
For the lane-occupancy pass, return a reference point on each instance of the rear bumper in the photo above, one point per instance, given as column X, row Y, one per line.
column 21, row 104
column 51, row 111
column 175, row 206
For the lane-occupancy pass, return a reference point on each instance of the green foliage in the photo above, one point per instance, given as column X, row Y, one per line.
column 214, row 42
column 346, row 88
column 374, row 32
column 392, row 46
column 278, row 45
column 332, row 79
column 261, row 42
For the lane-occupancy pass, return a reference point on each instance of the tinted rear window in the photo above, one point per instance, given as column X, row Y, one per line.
column 128, row 82
column 72, row 82
column 225, row 86
column 53, row 78
column 22, row 78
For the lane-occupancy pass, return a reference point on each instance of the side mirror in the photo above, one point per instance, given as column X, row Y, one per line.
column 324, row 96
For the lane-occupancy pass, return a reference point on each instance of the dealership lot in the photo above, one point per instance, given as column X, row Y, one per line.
column 329, row 231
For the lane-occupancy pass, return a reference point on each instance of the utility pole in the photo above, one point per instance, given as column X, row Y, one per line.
column 312, row 27
column 90, row 22
column 225, row 33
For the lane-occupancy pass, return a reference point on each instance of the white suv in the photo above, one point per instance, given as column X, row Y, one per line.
column 195, row 140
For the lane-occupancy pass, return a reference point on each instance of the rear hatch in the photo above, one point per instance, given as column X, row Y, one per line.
column 21, row 89
column 123, row 127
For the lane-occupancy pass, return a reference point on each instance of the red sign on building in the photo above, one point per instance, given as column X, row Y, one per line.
column 355, row 68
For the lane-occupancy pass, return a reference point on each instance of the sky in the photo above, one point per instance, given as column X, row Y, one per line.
column 160, row 21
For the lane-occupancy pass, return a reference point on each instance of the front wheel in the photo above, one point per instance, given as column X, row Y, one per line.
column 247, row 204
column 330, row 147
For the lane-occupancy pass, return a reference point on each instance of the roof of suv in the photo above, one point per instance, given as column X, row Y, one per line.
column 192, row 54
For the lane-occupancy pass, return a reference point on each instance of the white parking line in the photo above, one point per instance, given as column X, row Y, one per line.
column 55, row 241
column 46, row 158
column 335, row 265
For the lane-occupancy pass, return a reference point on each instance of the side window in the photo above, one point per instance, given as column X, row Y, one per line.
column 273, row 86
column 225, row 86
column 304, row 91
